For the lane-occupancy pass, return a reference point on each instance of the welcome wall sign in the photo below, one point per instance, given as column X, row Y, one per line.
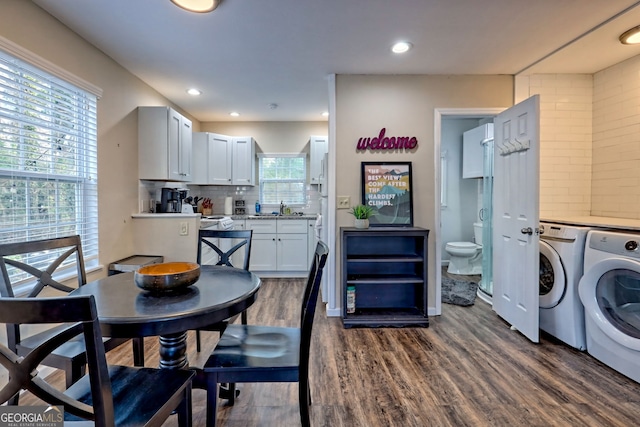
column 382, row 142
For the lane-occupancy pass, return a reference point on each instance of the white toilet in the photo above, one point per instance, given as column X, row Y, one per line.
column 466, row 257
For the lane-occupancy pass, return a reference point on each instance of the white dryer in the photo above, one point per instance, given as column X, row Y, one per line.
column 610, row 293
column 561, row 264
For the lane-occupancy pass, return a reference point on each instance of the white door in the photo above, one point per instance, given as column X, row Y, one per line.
column 516, row 216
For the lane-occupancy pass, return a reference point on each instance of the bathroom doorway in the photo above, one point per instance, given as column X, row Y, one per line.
column 461, row 202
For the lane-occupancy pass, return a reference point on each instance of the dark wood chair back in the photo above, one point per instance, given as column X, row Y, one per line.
column 94, row 398
column 244, row 237
column 309, row 303
column 236, row 239
column 24, row 256
column 51, row 311
column 282, row 357
column 25, row 261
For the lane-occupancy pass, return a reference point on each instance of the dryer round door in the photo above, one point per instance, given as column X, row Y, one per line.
column 553, row 280
column 610, row 293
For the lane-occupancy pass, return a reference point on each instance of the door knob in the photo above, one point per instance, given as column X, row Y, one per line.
column 527, row 230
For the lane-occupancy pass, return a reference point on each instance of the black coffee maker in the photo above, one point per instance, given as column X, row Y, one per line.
column 170, row 201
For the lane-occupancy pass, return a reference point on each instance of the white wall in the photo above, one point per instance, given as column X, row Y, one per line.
column 272, row 137
column 566, row 103
column 25, row 24
column 616, row 141
column 405, row 106
column 590, row 141
column 32, row 28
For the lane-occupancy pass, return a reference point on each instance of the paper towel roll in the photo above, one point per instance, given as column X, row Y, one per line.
column 228, row 205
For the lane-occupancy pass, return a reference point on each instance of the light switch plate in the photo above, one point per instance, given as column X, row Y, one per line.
column 344, row 202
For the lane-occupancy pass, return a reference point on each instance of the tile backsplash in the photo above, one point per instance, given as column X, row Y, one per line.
column 150, row 190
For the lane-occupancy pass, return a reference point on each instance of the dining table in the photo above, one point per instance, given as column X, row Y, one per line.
column 127, row 311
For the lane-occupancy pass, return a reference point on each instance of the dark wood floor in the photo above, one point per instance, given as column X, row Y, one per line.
column 467, row 369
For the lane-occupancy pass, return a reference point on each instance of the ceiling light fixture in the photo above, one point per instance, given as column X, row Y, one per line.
column 631, row 36
column 401, row 47
column 325, row 114
column 234, row 114
column 194, row 92
column 198, row 6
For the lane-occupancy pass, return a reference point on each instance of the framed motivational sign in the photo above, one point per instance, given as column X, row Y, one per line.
column 387, row 188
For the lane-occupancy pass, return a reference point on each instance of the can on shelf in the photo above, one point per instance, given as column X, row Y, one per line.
column 351, row 299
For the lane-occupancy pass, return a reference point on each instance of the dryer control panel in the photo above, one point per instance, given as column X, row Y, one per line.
column 561, row 232
column 626, row 244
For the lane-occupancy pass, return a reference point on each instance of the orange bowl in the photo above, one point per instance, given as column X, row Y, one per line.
column 167, row 277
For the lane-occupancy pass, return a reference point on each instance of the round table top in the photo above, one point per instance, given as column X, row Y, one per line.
column 126, row 311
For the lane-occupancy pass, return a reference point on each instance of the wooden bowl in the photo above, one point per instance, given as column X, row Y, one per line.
column 167, row 277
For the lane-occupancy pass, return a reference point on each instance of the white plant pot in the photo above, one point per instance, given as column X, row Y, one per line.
column 362, row 223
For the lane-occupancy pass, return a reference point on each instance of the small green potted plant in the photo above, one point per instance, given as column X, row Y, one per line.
column 362, row 213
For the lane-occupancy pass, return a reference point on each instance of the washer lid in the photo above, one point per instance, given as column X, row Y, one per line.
column 553, row 279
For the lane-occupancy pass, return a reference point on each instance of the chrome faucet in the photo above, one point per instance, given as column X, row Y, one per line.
column 281, row 208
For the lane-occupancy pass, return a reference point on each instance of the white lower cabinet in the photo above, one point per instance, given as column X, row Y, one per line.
column 279, row 246
column 263, row 252
column 292, row 252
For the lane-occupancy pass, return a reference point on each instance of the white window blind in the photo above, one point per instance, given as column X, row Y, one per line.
column 48, row 159
column 282, row 179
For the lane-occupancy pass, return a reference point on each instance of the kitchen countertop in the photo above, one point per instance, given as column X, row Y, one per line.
column 597, row 221
column 268, row 216
column 235, row 217
column 164, row 215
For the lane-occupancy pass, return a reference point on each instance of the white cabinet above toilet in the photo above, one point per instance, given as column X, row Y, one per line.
column 473, row 151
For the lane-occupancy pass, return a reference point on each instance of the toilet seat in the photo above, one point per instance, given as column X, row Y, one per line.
column 462, row 245
column 462, row 249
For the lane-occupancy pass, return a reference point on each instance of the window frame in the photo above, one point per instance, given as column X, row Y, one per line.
column 301, row 201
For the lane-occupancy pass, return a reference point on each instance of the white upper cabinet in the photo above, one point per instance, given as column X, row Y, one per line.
column 223, row 160
column 243, row 171
column 212, row 157
column 473, row 150
column 164, row 145
column 319, row 145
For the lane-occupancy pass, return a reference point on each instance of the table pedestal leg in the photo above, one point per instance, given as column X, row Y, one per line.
column 173, row 351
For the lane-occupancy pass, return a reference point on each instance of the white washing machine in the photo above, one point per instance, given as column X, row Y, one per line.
column 610, row 293
column 561, row 264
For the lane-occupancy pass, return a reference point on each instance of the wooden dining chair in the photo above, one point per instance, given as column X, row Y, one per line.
column 234, row 240
column 252, row 353
column 27, row 262
column 108, row 396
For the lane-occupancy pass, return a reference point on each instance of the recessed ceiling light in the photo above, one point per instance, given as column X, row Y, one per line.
column 325, row 114
column 401, row 47
column 194, row 92
column 198, row 6
column 631, row 36
column 234, row 114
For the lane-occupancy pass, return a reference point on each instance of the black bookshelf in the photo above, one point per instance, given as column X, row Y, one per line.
column 387, row 268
